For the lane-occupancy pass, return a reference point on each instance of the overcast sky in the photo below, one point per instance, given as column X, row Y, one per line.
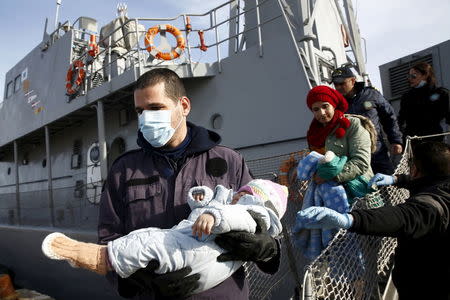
column 392, row 28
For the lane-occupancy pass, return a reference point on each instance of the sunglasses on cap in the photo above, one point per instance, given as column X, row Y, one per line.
column 411, row 76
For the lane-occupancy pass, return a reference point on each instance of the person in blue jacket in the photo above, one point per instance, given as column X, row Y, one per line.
column 368, row 102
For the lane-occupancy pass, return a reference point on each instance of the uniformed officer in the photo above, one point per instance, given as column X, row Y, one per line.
column 367, row 101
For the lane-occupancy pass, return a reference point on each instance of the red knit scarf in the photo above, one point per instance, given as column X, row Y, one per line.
column 317, row 133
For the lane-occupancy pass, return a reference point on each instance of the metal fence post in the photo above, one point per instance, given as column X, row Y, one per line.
column 138, row 47
column 217, row 42
column 258, row 21
column 16, row 162
column 49, row 174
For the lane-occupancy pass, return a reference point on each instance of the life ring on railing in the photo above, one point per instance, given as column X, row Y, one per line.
column 151, row 48
column 75, row 77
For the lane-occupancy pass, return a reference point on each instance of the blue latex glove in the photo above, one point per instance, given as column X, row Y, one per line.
column 316, row 217
column 381, row 179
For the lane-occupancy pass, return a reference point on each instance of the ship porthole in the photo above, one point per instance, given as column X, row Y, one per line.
column 94, row 154
column 217, row 121
column 9, row 171
column 44, row 162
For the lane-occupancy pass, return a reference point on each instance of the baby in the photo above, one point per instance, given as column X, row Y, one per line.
column 189, row 243
column 330, row 194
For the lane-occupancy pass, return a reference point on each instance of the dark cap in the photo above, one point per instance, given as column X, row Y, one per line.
column 340, row 74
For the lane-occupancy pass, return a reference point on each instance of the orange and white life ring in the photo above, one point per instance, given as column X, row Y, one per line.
column 151, row 48
column 75, row 77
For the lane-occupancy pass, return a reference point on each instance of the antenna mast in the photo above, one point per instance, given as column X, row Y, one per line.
column 58, row 4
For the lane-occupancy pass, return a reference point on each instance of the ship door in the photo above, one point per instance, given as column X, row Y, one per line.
column 94, row 178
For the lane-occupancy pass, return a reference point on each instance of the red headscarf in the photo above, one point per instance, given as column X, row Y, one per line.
column 317, row 133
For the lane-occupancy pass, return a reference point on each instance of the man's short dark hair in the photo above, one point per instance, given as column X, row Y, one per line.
column 173, row 85
column 432, row 158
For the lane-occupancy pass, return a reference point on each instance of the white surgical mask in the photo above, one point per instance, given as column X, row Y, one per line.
column 421, row 84
column 156, row 127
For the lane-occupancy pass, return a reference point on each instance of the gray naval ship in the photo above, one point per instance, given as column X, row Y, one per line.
column 68, row 112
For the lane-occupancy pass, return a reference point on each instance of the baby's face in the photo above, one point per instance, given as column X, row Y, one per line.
column 237, row 196
column 198, row 196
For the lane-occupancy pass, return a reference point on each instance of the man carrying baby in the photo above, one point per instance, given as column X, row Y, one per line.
column 147, row 188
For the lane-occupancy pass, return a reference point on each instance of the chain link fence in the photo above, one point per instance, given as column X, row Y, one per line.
column 352, row 266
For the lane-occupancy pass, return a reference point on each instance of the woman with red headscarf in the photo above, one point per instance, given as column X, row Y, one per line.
column 347, row 172
column 331, row 130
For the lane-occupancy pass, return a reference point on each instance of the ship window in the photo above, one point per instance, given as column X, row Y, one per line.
column 9, row 170
column 44, row 163
column 25, row 159
column 76, row 161
column 9, row 89
column 17, row 83
column 94, row 154
column 76, row 147
column 76, row 156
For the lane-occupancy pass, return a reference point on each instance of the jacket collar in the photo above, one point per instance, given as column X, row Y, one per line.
column 423, row 184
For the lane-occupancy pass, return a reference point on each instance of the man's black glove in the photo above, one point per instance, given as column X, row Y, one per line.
column 173, row 284
column 244, row 246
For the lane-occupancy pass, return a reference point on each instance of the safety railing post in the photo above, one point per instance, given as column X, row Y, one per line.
column 188, row 46
column 138, row 47
column 217, row 41
column 16, row 171
column 102, row 140
column 238, row 16
column 109, row 58
column 49, row 176
column 258, row 21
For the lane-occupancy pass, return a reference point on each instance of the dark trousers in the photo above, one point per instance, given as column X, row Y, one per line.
column 381, row 162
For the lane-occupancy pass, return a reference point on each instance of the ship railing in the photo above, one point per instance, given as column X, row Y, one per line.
column 220, row 26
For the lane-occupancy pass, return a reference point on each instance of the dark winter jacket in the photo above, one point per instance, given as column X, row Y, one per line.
column 421, row 225
column 422, row 110
column 145, row 188
column 371, row 104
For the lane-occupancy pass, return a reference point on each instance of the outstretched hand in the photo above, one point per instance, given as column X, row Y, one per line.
column 245, row 246
column 316, row 217
column 381, row 180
